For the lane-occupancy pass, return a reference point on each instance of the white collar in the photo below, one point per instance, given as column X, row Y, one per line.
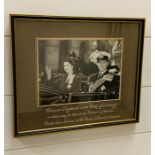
column 70, row 78
column 101, row 73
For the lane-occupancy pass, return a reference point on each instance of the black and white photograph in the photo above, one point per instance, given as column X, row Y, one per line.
column 74, row 70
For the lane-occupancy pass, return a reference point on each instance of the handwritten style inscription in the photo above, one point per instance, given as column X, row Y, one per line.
column 80, row 114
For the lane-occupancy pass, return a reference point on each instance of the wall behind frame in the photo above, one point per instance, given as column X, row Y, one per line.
column 131, row 139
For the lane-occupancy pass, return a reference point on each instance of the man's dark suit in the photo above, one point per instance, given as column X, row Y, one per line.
column 108, row 88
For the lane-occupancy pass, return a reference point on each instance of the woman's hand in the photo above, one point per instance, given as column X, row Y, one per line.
column 48, row 70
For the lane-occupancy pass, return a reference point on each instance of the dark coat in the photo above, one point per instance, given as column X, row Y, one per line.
column 108, row 89
column 74, row 86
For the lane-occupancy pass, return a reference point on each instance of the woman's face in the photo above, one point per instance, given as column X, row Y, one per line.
column 68, row 67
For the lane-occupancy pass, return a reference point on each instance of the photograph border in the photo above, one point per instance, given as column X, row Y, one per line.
column 141, row 21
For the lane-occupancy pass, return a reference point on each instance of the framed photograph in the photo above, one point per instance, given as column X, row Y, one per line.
column 75, row 72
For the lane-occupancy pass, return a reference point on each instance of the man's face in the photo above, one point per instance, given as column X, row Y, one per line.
column 102, row 65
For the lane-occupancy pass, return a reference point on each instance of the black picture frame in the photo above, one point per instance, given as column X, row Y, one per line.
column 34, row 36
